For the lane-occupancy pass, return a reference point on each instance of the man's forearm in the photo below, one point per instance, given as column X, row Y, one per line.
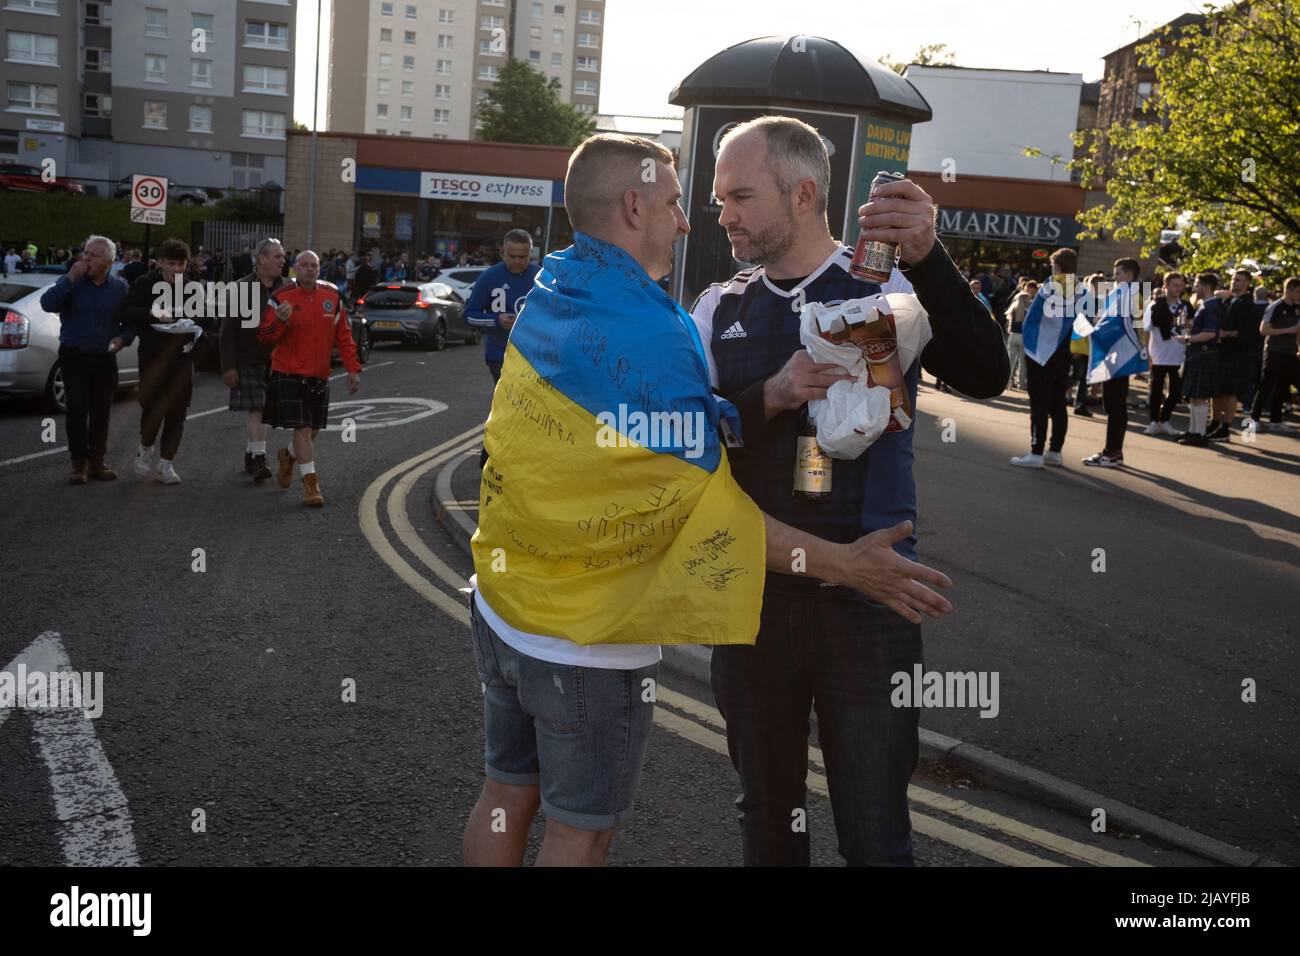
column 786, row 545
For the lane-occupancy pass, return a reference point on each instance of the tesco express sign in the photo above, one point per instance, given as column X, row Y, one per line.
column 466, row 187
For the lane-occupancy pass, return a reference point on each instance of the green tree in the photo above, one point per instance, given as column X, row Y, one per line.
column 523, row 106
column 1217, row 148
column 932, row 54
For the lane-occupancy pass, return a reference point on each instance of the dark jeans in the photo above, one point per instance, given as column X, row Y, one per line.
column 89, row 382
column 1079, row 366
column 1162, row 406
column 1254, row 370
column 1114, row 396
column 836, row 655
column 1280, row 372
column 495, row 369
column 1047, row 387
column 166, row 384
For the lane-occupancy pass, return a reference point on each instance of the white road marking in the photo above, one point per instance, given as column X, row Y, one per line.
column 188, row 418
column 362, row 410
column 94, row 826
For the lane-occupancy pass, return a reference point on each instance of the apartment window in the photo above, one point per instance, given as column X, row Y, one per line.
column 587, row 87
column 443, row 67
column 444, row 41
column 589, row 16
column 385, row 35
column 34, row 97
column 200, row 119
column 245, row 170
column 204, row 22
column 264, row 123
column 385, row 61
column 99, row 61
column 408, row 63
column 381, row 131
column 266, row 79
column 589, row 39
column 491, row 23
column 408, row 37
column 538, row 11
column 200, row 72
column 155, row 22
column 385, row 9
column 557, row 37
column 155, row 68
column 442, row 117
column 406, row 114
column 441, row 91
column 410, row 11
column 446, row 17
column 272, row 36
column 34, row 48
column 384, row 86
column 405, row 132
column 155, row 114
column 485, row 49
column 557, row 59
column 33, row 6
column 97, row 104
column 535, row 56
column 408, row 87
column 534, row 33
column 588, row 63
column 489, row 72
column 559, row 9
column 381, row 110
column 1141, row 95
column 99, row 14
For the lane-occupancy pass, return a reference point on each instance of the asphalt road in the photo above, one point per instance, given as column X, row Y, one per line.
column 224, row 688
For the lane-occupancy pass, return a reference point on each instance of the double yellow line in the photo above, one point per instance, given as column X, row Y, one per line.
column 683, row 715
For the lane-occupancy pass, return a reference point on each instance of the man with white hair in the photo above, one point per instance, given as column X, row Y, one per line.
column 87, row 300
column 822, row 644
column 304, row 321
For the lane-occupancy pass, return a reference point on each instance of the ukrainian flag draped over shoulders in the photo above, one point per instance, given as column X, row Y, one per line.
column 607, row 509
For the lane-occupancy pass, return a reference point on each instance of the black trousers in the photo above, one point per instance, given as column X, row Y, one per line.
column 1114, row 396
column 166, row 384
column 1048, row 385
column 1079, row 365
column 1281, row 371
column 89, row 382
column 1162, row 406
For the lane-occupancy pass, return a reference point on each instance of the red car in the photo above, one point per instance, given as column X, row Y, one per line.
column 28, row 179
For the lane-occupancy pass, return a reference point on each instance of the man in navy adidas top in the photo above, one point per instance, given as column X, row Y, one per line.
column 820, row 643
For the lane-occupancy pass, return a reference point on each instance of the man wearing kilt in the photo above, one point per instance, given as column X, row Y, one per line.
column 1201, row 367
column 304, row 322
column 1236, row 336
column 246, row 359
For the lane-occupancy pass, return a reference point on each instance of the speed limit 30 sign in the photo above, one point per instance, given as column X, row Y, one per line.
column 149, row 200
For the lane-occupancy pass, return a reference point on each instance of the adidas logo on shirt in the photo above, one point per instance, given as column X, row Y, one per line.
column 735, row 332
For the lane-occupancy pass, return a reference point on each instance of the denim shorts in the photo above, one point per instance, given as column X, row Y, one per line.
column 579, row 734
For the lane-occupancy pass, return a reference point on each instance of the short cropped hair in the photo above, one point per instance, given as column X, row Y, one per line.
column 174, row 250
column 601, row 169
column 1208, row 278
column 517, row 235
column 1131, row 266
column 795, row 152
column 1291, row 283
column 1066, row 259
column 109, row 243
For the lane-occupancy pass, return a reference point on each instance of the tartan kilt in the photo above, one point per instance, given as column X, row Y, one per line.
column 1232, row 373
column 295, row 401
column 1201, row 373
column 250, row 394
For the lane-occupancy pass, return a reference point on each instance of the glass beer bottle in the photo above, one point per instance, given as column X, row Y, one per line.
column 812, row 467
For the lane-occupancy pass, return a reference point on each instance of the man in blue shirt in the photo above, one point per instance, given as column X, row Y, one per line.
column 87, row 300
column 499, row 294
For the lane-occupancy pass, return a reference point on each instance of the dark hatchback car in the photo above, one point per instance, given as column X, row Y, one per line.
column 420, row 313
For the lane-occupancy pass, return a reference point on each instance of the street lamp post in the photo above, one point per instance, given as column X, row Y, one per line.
column 311, row 174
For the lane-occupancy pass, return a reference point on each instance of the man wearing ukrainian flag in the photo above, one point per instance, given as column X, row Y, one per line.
column 609, row 522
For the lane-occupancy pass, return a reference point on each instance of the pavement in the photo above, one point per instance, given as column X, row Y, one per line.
column 291, row 686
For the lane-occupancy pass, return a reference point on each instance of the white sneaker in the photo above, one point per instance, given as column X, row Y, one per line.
column 1053, row 458
column 1028, row 460
column 167, row 473
column 1153, row 428
column 1252, row 422
column 1167, row 428
column 145, row 462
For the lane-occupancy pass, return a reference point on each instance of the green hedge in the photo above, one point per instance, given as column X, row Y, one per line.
column 61, row 219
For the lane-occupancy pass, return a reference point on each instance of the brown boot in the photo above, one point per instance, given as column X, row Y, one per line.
column 311, row 495
column 101, row 472
column 284, row 473
column 80, row 468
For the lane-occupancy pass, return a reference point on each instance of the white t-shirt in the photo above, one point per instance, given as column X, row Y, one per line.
column 1168, row 351
column 558, row 650
column 11, row 263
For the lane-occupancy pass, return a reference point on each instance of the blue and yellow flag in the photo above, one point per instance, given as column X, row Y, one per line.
column 607, row 509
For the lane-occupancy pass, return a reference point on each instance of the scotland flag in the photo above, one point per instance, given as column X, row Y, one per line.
column 1115, row 348
column 1047, row 323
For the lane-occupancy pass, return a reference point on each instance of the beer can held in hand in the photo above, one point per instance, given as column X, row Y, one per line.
column 874, row 260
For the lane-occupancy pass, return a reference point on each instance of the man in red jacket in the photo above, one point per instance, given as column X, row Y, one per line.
column 305, row 321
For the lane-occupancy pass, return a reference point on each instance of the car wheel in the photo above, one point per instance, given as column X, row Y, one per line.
column 56, row 395
column 187, row 200
column 440, row 336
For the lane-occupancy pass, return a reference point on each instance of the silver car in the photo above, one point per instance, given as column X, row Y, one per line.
column 29, row 344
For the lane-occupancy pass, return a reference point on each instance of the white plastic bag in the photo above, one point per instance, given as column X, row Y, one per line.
column 855, row 413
